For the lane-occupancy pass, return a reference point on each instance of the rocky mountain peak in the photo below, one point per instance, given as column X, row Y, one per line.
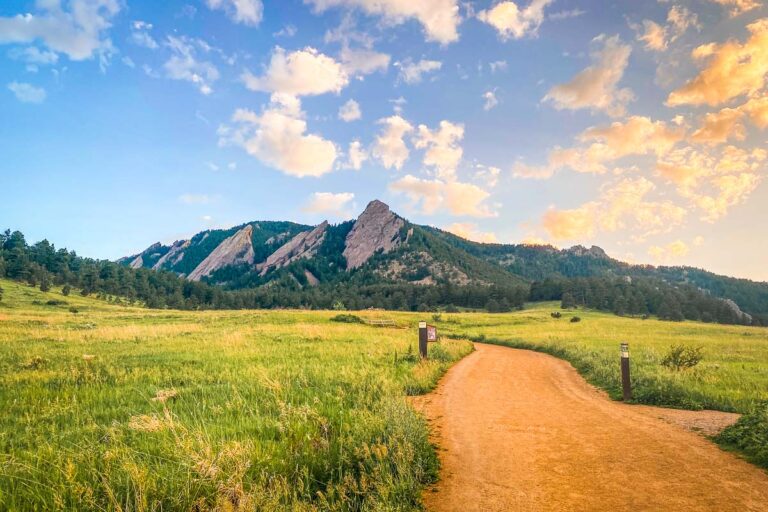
column 376, row 229
column 303, row 245
column 236, row 249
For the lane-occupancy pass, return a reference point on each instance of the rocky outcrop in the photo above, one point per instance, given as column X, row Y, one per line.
column 174, row 255
column 377, row 229
column 594, row 251
column 137, row 262
column 742, row 316
column 236, row 249
column 303, row 245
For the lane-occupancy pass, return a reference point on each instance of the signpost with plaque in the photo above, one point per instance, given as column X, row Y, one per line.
column 626, row 384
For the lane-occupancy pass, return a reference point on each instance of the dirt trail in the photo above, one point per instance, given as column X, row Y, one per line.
column 522, row 431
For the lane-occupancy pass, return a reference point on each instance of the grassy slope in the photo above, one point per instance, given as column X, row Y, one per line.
column 274, row 410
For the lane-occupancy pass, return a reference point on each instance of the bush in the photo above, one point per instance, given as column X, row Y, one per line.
column 74, row 310
column 437, row 317
column 56, row 302
column 348, row 319
column 750, row 435
column 66, row 290
column 556, row 314
column 682, row 357
column 575, row 319
column 339, row 306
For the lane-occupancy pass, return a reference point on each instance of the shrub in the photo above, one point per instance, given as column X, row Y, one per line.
column 66, row 290
column 339, row 306
column 74, row 310
column 437, row 317
column 556, row 314
column 56, row 302
column 348, row 319
column 575, row 319
column 450, row 308
column 750, row 434
column 682, row 357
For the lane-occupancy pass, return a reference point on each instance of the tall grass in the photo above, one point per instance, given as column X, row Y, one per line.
column 116, row 408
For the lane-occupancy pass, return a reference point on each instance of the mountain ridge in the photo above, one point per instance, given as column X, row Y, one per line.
column 379, row 246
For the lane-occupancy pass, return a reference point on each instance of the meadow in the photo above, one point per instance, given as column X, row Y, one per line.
column 117, row 408
column 123, row 408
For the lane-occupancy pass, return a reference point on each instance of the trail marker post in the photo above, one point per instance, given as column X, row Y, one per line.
column 423, row 340
column 626, row 383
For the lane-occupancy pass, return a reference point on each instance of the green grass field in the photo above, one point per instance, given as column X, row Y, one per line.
column 117, row 408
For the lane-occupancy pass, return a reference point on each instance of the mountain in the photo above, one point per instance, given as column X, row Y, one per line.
column 380, row 248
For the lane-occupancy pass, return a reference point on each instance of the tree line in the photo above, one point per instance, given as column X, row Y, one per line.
column 44, row 266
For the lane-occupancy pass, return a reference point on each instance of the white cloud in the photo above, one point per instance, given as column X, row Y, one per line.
column 390, row 147
column 360, row 62
column 33, row 55
column 732, row 69
column 713, row 180
column 490, row 100
column 350, row 111
column 300, row 73
column 567, row 14
column 443, row 150
column 184, row 65
column 596, row 87
column 657, row 37
column 738, row 7
column 470, row 231
column 357, row 155
column 247, row 12
column 512, row 22
column 621, row 206
column 411, row 72
column 79, row 32
column 287, row 31
column 440, row 18
column 328, row 203
column 278, row 138
column 670, row 252
column 719, row 127
column 602, row 145
column 498, row 65
column 488, row 174
column 456, row 198
column 140, row 35
column 27, row 93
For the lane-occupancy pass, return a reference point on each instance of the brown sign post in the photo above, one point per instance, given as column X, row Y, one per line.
column 626, row 383
column 423, row 338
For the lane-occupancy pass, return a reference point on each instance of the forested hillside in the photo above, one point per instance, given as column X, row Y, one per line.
column 381, row 260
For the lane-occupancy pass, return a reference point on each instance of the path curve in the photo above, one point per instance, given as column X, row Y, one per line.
column 522, row 431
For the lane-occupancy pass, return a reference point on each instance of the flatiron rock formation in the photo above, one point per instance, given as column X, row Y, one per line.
column 303, row 245
column 234, row 250
column 376, row 229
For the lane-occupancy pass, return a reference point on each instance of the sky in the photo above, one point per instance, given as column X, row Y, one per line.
column 641, row 127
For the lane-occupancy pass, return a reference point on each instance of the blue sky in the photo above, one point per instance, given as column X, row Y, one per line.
column 636, row 126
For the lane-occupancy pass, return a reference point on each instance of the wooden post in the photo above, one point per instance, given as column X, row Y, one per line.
column 423, row 340
column 626, row 383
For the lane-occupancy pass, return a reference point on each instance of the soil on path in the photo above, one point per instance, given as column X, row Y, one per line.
column 522, row 431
